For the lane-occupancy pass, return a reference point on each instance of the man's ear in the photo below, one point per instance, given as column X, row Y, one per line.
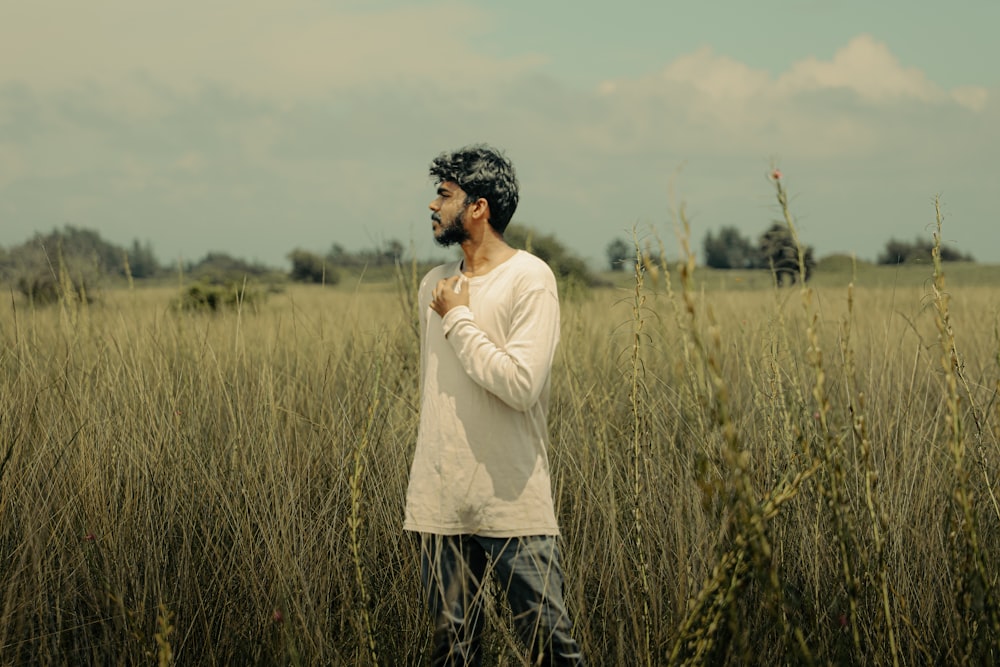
column 480, row 209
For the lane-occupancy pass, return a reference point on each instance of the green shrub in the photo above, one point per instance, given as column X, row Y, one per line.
column 203, row 296
column 309, row 267
column 42, row 288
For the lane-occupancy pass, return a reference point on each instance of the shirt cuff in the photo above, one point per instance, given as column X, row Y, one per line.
column 454, row 316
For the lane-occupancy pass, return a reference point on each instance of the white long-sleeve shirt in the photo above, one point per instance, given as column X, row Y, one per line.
column 480, row 464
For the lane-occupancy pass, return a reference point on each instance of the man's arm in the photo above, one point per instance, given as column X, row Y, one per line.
column 517, row 372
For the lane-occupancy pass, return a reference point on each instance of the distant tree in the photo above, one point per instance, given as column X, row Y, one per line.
column 80, row 251
column 949, row 254
column 142, row 262
column 896, row 252
column 901, row 252
column 777, row 251
column 67, row 262
column 338, row 255
column 76, row 245
column 219, row 268
column 548, row 248
column 87, row 243
column 619, row 253
column 309, row 267
column 392, row 251
column 728, row 250
column 386, row 253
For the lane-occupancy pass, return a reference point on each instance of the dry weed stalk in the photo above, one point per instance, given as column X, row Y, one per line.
column 354, row 521
column 164, row 652
column 830, row 450
column 750, row 556
column 877, row 515
column 974, row 588
column 640, row 446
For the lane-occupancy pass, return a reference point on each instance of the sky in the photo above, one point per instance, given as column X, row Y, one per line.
column 256, row 127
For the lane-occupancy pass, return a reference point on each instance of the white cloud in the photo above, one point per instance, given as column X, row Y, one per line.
column 865, row 67
column 835, row 107
column 974, row 98
column 717, row 77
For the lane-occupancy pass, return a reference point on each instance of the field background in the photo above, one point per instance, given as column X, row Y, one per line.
column 744, row 474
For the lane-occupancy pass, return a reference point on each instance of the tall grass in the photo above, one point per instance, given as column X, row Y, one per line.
column 742, row 476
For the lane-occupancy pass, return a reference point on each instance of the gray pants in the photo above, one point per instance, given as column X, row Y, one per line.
column 453, row 569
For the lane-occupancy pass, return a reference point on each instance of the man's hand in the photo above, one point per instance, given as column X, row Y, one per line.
column 448, row 293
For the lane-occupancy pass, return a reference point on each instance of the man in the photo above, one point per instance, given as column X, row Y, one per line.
column 479, row 494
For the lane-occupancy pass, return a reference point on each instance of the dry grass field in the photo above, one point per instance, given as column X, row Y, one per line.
column 744, row 475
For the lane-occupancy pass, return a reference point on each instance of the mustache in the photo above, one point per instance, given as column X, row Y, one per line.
column 436, row 217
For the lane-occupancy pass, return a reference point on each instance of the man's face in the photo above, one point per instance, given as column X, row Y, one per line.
column 448, row 214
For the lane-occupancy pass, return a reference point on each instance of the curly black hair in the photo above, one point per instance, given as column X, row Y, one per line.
column 482, row 172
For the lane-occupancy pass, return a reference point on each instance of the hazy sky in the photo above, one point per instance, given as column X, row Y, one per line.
column 255, row 127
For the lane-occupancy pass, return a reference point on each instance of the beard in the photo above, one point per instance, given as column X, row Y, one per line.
column 452, row 233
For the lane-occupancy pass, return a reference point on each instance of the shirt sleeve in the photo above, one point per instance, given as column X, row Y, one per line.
column 518, row 371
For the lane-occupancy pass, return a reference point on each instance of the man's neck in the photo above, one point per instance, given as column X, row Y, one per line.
column 484, row 256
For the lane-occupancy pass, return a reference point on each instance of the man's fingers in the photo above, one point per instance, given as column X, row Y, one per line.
column 440, row 287
column 454, row 285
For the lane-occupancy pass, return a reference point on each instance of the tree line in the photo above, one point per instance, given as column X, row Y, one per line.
column 312, row 267
column 77, row 260
column 776, row 250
